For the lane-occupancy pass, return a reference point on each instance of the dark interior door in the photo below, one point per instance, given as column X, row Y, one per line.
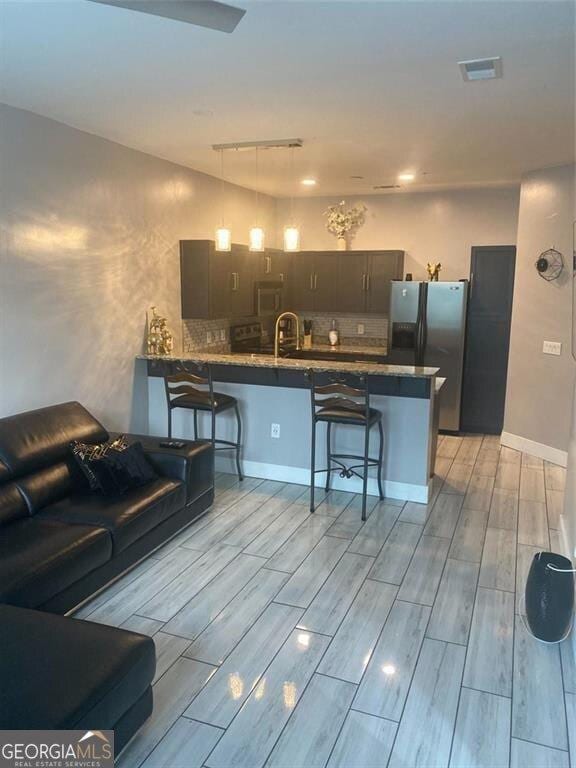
column 488, row 338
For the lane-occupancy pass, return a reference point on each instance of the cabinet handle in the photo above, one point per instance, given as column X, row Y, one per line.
column 364, row 282
column 368, row 282
column 268, row 268
column 235, row 281
column 311, row 281
column 315, row 281
column 281, row 277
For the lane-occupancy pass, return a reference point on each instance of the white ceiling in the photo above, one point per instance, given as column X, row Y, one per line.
column 373, row 88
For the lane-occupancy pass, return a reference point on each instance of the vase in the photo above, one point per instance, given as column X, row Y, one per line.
column 342, row 244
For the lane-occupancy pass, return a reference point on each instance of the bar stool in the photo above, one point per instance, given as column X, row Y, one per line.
column 183, row 391
column 344, row 400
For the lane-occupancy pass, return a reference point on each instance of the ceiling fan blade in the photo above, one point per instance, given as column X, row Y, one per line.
column 203, row 13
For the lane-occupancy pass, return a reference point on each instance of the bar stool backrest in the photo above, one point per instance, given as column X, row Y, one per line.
column 348, row 392
column 196, row 387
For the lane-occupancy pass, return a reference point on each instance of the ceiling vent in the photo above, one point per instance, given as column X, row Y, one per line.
column 481, row 69
column 386, row 186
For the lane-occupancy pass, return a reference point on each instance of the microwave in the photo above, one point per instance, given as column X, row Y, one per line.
column 268, row 298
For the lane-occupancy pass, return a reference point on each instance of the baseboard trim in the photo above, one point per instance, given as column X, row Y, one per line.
column 301, row 476
column 546, row 452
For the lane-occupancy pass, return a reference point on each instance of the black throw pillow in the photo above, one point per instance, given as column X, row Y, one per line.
column 115, row 467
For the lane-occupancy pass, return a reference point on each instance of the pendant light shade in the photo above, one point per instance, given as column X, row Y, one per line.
column 291, row 238
column 257, row 239
column 291, row 231
column 223, row 239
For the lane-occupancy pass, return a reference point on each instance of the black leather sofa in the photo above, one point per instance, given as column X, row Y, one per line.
column 60, row 544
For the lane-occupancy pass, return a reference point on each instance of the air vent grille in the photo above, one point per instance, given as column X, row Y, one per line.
column 386, row 186
column 481, row 69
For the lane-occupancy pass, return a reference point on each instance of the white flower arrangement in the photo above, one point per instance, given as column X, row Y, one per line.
column 341, row 221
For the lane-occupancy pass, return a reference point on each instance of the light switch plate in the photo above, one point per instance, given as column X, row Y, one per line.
column 552, row 348
column 361, row 329
column 222, row 334
column 208, row 337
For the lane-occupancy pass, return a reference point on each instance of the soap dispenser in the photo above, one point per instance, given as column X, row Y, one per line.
column 333, row 335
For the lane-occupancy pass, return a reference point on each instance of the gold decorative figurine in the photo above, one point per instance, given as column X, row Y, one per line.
column 433, row 272
column 159, row 339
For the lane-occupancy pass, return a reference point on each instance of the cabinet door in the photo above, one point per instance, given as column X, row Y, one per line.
column 302, row 282
column 383, row 267
column 222, row 265
column 325, row 281
column 242, row 282
column 352, row 285
column 195, row 260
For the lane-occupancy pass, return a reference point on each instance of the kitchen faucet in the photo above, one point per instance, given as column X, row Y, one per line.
column 277, row 331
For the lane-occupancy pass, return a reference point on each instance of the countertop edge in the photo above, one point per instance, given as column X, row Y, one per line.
column 268, row 361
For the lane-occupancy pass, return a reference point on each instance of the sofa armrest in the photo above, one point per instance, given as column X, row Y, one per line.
column 193, row 464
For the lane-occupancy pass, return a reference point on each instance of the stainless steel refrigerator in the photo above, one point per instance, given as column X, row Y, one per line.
column 428, row 327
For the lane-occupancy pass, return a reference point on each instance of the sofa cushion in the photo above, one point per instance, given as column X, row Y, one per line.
column 39, row 558
column 128, row 517
column 47, row 485
column 58, row 672
column 12, row 504
column 36, row 439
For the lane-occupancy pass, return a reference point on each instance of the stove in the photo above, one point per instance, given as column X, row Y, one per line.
column 246, row 338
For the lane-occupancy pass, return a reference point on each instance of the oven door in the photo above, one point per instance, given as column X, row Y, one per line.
column 268, row 299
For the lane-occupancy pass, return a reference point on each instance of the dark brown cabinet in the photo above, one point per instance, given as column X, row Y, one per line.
column 314, row 281
column 363, row 280
column 216, row 284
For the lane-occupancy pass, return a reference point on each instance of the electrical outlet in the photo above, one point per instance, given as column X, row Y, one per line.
column 222, row 334
column 208, row 337
column 275, row 431
column 361, row 329
column 552, row 348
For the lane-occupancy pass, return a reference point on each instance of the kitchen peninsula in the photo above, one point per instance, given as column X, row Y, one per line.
column 274, row 390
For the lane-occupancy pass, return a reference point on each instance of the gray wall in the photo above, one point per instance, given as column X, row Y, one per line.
column 539, row 392
column 429, row 226
column 89, row 240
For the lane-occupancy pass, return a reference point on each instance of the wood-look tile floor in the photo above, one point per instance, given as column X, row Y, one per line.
column 294, row 640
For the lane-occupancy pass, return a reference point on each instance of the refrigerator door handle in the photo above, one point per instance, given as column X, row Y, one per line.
column 421, row 331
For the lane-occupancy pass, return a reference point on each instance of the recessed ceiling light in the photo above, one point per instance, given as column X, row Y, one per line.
column 308, row 182
column 406, row 176
column 481, row 69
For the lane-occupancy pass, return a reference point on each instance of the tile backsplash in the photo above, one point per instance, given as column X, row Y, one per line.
column 375, row 328
column 214, row 335
column 206, row 334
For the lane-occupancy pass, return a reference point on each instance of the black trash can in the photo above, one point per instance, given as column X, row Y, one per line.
column 550, row 597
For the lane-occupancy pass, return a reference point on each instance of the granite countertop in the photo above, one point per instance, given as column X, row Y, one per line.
column 269, row 361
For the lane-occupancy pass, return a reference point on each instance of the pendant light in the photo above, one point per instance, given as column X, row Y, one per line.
column 223, row 234
column 291, row 231
column 257, row 235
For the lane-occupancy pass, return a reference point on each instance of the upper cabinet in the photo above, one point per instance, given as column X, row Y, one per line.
column 314, row 281
column 218, row 284
column 364, row 280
